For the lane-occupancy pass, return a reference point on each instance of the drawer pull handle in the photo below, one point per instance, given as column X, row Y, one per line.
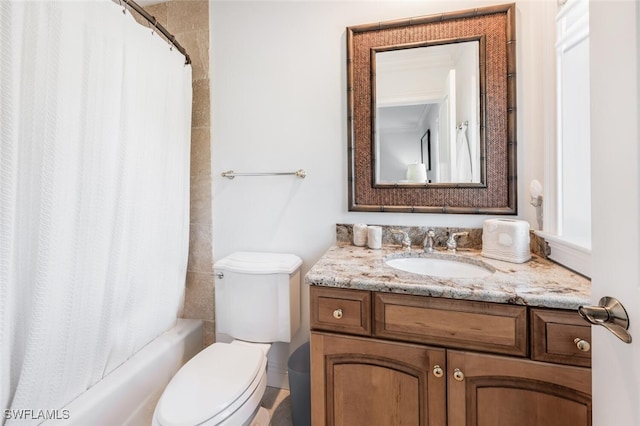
column 583, row 345
column 437, row 371
column 337, row 314
column 458, row 375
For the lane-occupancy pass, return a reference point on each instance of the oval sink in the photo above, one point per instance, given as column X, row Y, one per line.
column 439, row 267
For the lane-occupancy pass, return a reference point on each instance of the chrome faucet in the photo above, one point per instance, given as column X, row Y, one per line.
column 452, row 244
column 428, row 241
column 406, row 241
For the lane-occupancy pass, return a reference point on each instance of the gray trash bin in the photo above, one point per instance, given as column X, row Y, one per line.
column 299, row 367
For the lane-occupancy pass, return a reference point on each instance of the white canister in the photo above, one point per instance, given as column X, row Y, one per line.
column 374, row 237
column 417, row 173
column 360, row 234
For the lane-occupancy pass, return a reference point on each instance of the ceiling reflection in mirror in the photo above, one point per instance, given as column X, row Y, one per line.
column 427, row 104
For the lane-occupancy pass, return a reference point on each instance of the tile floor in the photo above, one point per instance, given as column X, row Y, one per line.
column 278, row 403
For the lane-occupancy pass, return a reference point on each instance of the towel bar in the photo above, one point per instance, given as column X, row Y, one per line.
column 230, row 174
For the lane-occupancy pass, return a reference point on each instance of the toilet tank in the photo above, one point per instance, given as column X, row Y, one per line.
column 257, row 296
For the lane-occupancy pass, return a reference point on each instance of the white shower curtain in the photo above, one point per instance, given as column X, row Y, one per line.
column 94, row 202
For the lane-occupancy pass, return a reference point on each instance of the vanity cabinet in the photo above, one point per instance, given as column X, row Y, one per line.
column 405, row 359
column 497, row 390
column 374, row 382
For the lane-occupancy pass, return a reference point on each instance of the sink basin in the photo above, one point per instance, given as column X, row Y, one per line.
column 440, row 267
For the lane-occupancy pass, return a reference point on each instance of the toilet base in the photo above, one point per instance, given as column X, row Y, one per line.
column 262, row 418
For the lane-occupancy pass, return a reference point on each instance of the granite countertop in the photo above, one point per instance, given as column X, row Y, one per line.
column 538, row 282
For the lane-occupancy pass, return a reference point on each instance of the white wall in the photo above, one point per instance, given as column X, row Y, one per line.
column 279, row 104
column 398, row 147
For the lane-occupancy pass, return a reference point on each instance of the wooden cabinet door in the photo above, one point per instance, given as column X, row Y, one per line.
column 359, row 381
column 504, row 391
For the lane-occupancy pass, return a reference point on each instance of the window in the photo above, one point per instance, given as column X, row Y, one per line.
column 567, row 225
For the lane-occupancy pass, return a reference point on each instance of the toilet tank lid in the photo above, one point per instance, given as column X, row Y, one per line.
column 259, row 263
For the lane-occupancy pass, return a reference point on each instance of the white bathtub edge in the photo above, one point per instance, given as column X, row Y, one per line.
column 128, row 395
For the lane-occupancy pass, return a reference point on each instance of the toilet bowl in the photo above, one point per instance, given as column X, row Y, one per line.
column 257, row 302
column 222, row 385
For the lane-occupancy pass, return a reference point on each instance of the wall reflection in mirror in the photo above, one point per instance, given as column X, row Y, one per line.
column 427, row 126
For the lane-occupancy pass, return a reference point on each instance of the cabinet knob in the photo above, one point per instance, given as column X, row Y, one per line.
column 583, row 345
column 458, row 375
column 437, row 371
column 337, row 314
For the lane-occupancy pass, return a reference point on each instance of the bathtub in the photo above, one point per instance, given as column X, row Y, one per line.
column 128, row 395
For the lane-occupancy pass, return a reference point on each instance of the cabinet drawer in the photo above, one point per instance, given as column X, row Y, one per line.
column 555, row 336
column 347, row 311
column 452, row 323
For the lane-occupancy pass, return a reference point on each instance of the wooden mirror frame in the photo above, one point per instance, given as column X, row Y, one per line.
column 497, row 193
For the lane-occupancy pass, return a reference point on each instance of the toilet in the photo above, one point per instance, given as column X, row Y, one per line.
column 257, row 302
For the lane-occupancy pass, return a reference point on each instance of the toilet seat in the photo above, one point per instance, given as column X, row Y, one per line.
column 213, row 386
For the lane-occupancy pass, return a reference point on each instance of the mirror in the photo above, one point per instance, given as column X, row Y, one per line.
column 427, row 113
column 432, row 113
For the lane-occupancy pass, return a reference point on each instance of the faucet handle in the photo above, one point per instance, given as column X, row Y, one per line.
column 406, row 241
column 452, row 244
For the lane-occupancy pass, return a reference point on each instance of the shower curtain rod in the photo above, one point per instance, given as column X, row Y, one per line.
column 153, row 21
